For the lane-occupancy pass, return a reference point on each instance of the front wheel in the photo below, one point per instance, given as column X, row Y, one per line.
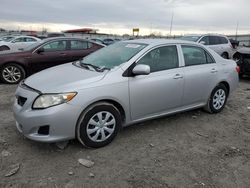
column 99, row 125
column 218, row 99
column 12, row 73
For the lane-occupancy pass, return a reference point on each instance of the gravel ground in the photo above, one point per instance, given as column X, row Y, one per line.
column 191, row 149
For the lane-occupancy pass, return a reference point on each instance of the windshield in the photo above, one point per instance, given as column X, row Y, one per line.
column 191, row 38
column 113, row 55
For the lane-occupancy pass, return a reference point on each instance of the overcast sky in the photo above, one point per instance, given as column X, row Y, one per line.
column 120, row 16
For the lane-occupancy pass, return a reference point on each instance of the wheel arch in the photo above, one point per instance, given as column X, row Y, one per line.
column 226, row 84
column 118, row 105
column 227, row 54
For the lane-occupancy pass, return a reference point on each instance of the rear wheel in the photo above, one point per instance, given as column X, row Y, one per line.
column 2, row 48
column 12, row 73
column 99, row 125
column 217, row 99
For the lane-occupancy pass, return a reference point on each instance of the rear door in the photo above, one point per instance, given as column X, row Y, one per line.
column 215, row 44
column 29, row 41
column 200, row 74
column 80, row 49
column 162, row 89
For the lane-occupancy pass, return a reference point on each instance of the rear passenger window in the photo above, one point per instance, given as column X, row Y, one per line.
column 79, row 45
column 162, row 58
column 195, row 56
column 213, row 40
column 29, row 39
column 223, row 40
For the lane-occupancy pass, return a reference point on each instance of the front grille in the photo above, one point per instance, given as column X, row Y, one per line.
column 21, row 100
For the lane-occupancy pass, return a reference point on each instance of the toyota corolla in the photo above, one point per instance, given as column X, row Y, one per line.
column 123, row 84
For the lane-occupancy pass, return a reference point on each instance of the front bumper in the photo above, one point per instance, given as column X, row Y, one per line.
column 60, row 121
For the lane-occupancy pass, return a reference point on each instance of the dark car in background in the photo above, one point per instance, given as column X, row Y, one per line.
column 108, row 41
column 100, row 41
column 16, row 65
column 242, row 58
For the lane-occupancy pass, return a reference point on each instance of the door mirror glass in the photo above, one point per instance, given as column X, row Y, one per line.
column 141, row 70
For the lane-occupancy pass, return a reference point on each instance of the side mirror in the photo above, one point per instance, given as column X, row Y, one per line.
column 141, row 70
column 40, row 50
column 13, row 41
column 202, row 42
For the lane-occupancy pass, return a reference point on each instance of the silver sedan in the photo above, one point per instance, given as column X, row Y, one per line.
column 119, row 85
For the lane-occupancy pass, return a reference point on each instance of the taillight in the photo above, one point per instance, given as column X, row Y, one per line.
column 237, row 69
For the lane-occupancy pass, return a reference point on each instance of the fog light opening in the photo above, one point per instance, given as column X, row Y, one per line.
column 43, row 130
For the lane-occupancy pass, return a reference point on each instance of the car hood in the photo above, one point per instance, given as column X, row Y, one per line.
column 63, row 78
column 244, row 50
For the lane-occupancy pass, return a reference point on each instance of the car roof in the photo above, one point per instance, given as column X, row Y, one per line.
column 208, row 34
column 64, row 38
column 159, row 41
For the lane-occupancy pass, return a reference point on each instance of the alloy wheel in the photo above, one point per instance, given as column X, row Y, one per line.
column 11, row 74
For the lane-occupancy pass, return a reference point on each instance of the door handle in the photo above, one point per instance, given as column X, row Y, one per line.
column 213, row 70
column 63, row 54
column 178, row 76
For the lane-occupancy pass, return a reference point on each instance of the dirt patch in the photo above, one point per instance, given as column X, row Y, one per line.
column 191, row 149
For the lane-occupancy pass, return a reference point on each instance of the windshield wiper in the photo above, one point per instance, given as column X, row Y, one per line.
column 96, row 68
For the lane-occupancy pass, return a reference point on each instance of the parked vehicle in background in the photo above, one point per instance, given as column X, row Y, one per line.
column 15, row 66
column 219, row 43
column 50, row 35
column 242, row 58
column 100, row 41
column 122, row 84
column 108, row 41
column 17, row 42
column 6, row 38
column 117, row 40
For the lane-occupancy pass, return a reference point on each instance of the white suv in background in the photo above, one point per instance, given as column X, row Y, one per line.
column 219, row 43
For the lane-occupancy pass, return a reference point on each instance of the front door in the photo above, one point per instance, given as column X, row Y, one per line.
column 53, row 53
column 162, row 89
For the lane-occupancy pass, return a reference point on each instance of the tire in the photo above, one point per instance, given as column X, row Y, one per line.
column 12, row 73
column 2, row 48
column 215, row 104
column 92, row 132
column 241, row 75
column 225, row 55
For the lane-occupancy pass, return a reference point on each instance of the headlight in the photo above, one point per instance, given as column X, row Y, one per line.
column 48, row 100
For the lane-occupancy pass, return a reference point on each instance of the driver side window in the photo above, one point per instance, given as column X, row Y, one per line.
column 19, row 40
column 162, row 58
column 55, row 46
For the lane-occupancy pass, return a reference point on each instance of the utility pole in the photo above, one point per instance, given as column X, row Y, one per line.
column 236, row 34
column 171, row 24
